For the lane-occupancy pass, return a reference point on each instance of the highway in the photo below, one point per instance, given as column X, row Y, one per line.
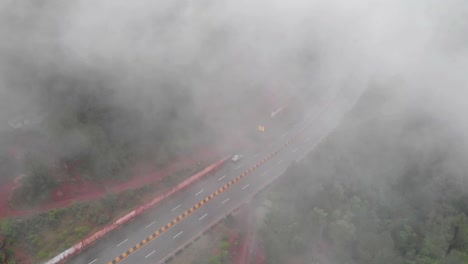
column 124, row 245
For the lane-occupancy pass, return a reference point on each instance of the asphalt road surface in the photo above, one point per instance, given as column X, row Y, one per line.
column 315, row 124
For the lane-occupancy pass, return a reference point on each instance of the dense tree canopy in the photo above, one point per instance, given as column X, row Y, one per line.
column 376, row 191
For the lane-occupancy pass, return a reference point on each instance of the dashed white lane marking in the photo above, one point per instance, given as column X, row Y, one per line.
column 243, row 188
column 92, row 261
column 122, row 242
column 152, row 223
column 308, row 139
column 237, row 167
column 284, row 134
column 202, row 217
column 226, row 200
column 263, row 174
column 175, row 208
column 256, row 155
column 294, row 150
column 221, row 178
column 180, row 233
column 280, row 161
column 199, row 192
column 150, row 254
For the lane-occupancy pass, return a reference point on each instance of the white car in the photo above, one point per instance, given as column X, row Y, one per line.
column 236, row 157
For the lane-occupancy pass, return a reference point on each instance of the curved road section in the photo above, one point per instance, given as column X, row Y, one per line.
column 156, row 235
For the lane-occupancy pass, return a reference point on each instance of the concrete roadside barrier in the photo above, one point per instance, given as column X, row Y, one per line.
column 77, row 248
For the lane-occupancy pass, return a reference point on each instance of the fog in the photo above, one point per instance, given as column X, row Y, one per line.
column 187, row 58
column 229, row 48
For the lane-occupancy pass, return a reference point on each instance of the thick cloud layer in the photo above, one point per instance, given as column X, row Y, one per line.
column 166, row 58
column 224, row 54
column 232, row 46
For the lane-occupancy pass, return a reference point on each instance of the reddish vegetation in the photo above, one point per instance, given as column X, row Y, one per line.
column 21, row 256
column 5, row 192
column 78, row 189
column 233, row 238
column 324, row 253
column 240, row 256
column 250, row 249
column 260, row 257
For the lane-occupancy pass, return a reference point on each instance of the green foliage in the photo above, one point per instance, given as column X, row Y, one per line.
column 111, row 135
column 361, row 230
column 88, row 131
column 68, row 226
column 103, row 219
column 37, row 184
column 275, row 248
column 55, row 217
column 94, row 212
column 215, row 260
column 407, row 240
column 34, row 240
column 82, row 231
column 459, row 239
column 110, row 202
column 8, row 228
column 225, row 245
column 43, row 254
column 376, row 191
column 62, row 236
column 77, row 209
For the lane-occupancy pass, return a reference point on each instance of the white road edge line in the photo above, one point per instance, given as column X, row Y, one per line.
column 175, row 208
column 178, row 234
column 221, row 178
column 150, row 254
column 245, row 186
column 92, row 261
column 152, row 223
column 202, row 217
column 122, row 242
column 199, row 192
column 226, row 200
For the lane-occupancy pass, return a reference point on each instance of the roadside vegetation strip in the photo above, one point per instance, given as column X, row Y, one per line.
column 201, row 203
column 77, row 248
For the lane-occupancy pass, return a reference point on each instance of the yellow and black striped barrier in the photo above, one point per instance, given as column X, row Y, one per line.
column 201, row 203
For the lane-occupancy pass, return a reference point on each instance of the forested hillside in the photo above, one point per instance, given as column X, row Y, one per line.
column 90, row 126
column 86, row 131
column 388, row 186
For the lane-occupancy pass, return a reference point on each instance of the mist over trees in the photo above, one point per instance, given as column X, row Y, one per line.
column 86, row 131
column 378, row 190
column 92, row 87
column 77, row 108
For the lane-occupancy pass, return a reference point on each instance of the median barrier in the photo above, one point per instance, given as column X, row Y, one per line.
column 74, row 250
column 232, row 210
column 250, row 196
